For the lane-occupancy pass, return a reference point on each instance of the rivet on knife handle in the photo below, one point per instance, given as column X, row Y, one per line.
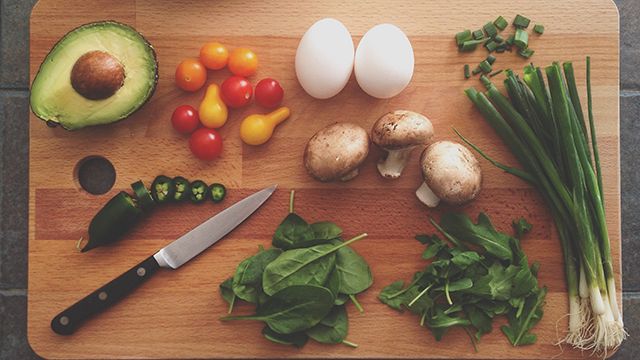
column 70, row 319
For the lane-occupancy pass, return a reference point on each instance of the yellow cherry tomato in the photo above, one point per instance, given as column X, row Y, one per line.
column 213, row 112
column 214, row 55
column 257, row 129
column 243, row 62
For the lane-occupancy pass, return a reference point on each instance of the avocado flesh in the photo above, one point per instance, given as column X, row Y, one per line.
column 53, row 99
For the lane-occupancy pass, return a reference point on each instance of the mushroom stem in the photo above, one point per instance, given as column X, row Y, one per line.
column 350, row 175
column 391, row 167
column 426, row 196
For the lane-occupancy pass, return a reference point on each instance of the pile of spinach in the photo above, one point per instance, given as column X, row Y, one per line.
column 301, row 284
column 474, row 275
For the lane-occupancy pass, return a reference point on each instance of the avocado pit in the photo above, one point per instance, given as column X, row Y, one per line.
column 97, row 75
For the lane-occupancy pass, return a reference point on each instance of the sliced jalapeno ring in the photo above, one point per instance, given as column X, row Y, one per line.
column 217, row 192
column 181, row 188
column 142, row 195
column 161, row 189
column 199, row 191
column 113, row 220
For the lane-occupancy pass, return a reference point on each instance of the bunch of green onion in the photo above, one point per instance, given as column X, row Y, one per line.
column 544, row 127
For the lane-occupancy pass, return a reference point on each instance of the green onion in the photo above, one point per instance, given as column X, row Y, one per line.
column 476, row 71
column 495, row 73
column 478, row 34
column 490, row 29
column 491, row 59
column 501, row 23
column 491, row 45
column 521, row 22
column 463, row 36
column 470, row 45
column 467, row 71
column 544, row 127
column 498, row 39
column 521, row 39
column 510, row 40
column 539, row 29
column 526, row 53
column 485, row 66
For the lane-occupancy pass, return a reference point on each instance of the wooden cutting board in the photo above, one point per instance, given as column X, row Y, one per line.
column 175, row 315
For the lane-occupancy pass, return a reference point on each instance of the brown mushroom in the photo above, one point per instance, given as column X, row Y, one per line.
column 451, row 174
column 97, row 75
column 399, row 133
column 336, row 152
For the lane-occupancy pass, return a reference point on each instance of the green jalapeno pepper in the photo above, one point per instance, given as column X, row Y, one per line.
column 113, row 221
column 181, row 188
column 143, row 196
column 161, row 189
column 199, row 191
column 217, row 192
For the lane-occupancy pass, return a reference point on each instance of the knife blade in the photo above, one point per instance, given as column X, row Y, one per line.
column 172, row 256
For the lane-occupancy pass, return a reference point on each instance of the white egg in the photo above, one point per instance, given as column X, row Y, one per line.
column 324, row 59
column 384, row 61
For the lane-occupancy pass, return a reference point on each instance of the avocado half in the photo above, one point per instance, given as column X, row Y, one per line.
column 96, row 74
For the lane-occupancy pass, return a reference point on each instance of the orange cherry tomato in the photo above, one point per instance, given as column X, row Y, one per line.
column 243, row 62
column 191, row 75
column 214, row 55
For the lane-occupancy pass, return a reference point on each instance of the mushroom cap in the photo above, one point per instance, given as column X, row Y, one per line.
column 401, row 129
column 335, row 151
column 451, row 171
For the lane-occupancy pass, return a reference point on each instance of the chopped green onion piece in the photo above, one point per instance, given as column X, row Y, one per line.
column 478, row 34
column 491, row 59
column 485, row 80
column 490, row 29
column 467, row 71
column 521, row 22
column 521, row 39
column 498, row 39
column 539, row 29
column 463, row 36
column 491, row 45
column 501, row 49
column 495, row 73
column 485, row 66
column 501, row 23
column 510, row 40
column 476, row 71
column 470, row 45
column 526, row 53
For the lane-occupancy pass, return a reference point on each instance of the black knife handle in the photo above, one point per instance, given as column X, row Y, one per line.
column 70, row 319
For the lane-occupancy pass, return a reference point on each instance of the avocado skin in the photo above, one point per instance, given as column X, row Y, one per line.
column 52, row 123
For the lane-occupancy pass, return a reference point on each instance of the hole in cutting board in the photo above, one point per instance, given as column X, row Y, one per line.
column 95, row 174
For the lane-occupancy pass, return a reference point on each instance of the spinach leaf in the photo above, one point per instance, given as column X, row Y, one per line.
column 332, row 329
column 248, row 276
column 333, row 283
column 293, row 309
column 341, row 299
column 353, row 270
column 326, row 230
column 296, row 339
column 293, row 233
column 482, row 234
column 307, row 266
column 226, row 291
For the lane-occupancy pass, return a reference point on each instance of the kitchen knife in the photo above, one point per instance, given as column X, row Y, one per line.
column 171, row 256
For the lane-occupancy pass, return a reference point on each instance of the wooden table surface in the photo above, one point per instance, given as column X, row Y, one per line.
column 175, row 315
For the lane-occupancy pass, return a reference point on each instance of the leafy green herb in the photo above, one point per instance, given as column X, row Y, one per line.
column 353, row 270
column 226, row 290
column 468, row 288
column 332, row 329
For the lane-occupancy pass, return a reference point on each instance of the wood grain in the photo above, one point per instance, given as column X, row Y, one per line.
column 175, row 315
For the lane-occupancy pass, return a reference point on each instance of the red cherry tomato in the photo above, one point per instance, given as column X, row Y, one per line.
column 269, row 93
column 236, row 91
column 206, row 144
column 185, row 119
